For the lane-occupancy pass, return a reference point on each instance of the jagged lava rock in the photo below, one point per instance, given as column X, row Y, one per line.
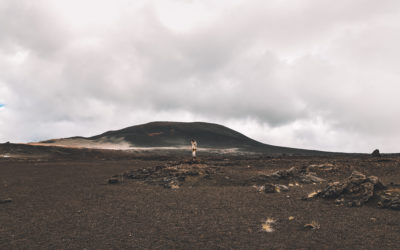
column 354, row 191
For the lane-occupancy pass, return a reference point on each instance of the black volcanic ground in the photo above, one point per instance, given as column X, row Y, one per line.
column 84, row 198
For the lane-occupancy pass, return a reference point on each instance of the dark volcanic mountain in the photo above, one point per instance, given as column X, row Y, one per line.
column 178, row 134
column 172, row 134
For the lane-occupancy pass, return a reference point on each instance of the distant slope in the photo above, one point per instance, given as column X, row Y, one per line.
column 178, row 134
column 171, row 134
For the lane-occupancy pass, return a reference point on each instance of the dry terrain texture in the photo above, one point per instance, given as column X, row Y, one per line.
column 62, row 200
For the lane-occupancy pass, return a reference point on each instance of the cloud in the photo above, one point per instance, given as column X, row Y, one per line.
column 313, row 74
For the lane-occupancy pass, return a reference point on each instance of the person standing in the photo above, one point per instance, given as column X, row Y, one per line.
column 194, row 148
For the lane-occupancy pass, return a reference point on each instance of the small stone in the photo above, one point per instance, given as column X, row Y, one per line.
column 113, row 181
column 269, row 188
column 313, row 225
column 281, row 188
column 259, row 188
column 8, row 200
column 339, row 201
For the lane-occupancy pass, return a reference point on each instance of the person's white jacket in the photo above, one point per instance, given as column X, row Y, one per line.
column 194, row 148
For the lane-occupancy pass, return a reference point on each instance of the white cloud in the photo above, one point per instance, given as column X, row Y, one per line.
column 312, row 74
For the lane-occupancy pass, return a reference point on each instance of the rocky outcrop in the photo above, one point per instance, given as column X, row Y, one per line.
column 354, row 191
column 171, row 176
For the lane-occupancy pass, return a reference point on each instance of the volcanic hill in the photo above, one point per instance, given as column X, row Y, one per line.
column 177, row 134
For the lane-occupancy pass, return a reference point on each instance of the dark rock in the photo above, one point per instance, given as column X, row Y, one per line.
column 356, row 178
column 358, row 195
column 377, row 184
column 332, row 190
column 8, row 200
column 390, row 200
column 113, row 181
column 269, row 188
column 376, row 153
column 172, row 183
column 313, row 225
column 274, row 188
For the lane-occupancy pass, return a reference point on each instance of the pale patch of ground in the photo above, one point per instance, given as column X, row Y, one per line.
column 103, row 143
column 267, row 225
column 313, row 194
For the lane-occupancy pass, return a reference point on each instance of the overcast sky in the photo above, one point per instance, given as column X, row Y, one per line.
column 316, row 74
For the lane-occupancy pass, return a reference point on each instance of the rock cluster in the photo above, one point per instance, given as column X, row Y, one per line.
column 171, row 176
column 354, row 191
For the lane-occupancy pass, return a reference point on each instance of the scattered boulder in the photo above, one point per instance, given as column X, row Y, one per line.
column 376, row 153
column 113, row 180
column 269, row 188
column 172, row 182
column 390, row 199
column 8, row 200
column 354, row 191
column 274, row 188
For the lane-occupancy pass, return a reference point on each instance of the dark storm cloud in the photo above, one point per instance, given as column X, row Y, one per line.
column 313, row 74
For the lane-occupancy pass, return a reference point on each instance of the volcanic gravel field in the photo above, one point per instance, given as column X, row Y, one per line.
column 86, row 199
